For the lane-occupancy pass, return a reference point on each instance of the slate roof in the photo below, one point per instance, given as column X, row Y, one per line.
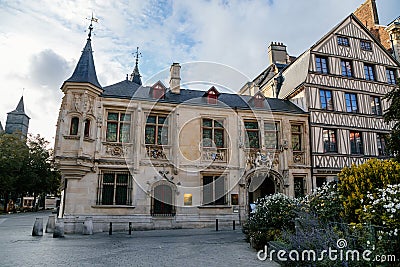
column 85, row 70
column 20, row 109
column 129, row 90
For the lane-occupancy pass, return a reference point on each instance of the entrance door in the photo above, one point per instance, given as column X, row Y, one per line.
column 162, row 201
column 259, row 187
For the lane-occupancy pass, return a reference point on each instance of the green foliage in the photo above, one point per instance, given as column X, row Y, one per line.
column 358, row 181
column 392, row 114
column 325, row 203
column 26, row 167
column 273, row 214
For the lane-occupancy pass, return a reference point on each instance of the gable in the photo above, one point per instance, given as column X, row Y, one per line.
column 355, row 32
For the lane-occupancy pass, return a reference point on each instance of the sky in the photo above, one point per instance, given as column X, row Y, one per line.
column 41, row 42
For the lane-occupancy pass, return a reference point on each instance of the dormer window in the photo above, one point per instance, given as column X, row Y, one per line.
column 157, row 91
column 258, row 100
column 212, row 95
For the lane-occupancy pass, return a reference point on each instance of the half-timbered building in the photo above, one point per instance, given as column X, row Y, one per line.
column 341, row 81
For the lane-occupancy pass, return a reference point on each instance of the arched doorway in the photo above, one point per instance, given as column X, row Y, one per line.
column 162, row 201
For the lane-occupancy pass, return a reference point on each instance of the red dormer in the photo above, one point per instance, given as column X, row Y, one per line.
column 157, row 91
column 258, row 100
column 212, row 95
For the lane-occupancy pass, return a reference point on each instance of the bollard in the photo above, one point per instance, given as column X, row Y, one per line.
column 130, row 228
column 51, row 223
column 110, row 230
column 216, row 225
column 88, row 226
column 38, row 227
column 234, row 226
column 59, row 228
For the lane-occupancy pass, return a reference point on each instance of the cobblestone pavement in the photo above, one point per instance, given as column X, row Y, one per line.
column 186, row 247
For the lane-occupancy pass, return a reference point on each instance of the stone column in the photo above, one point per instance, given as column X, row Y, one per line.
column 88, row 226
column 59, row 228
column 38, row 227
column 50, row 224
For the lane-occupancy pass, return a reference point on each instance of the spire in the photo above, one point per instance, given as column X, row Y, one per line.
column 20, row 109
column 85, row 70
column 135, row 76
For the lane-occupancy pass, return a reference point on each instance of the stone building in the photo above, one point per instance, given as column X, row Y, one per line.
column 17, row 120
column 169, row 156
column 340, row 81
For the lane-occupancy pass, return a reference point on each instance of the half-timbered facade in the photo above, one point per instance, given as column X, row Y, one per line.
column 172, row 157
column 341, row 80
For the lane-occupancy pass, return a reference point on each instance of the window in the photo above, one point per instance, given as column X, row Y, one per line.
column 391, row 76
column 299, row 187
column 258, row 100
column 365, row 45
column 376, row 105
column 381, row 144
column 158, row 91
column 356, row 144
column 351, row 102
column 87, row 128
column 344, row 41
column 252, row 138
column 73, row 130
column 212, row 95
column 329, row 138
column 214, row 190
column 346, row 68
column 156, row 132
column 369, row 72
column 118, row 127
column 321, row 64
column 213, row 133
column 296, row 137
column 115, row 189
column 271, row 130
column 326, row 99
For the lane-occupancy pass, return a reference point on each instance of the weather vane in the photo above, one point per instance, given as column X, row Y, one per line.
column 92, row 19
column 137, row 54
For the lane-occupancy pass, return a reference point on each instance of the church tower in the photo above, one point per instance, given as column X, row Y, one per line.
column 17, row 120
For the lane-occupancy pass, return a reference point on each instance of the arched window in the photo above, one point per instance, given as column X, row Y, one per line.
column 74, row 126
column 87, row 128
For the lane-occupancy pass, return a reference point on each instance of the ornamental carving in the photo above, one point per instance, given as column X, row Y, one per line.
column 83, row 103
column 155, row 152
column 257, row 159
column 116, row 150
column 217, row 155
column 298, row 157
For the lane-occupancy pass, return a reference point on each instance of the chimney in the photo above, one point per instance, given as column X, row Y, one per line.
column 175, row 78
column 277, row 53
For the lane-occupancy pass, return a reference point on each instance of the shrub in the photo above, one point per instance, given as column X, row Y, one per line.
column 358, row 181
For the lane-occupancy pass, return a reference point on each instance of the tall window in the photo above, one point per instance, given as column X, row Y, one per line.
column 296, row 137
column 214, row 190
column 321, row 64
column 391, row 76
column 346, row 68
column 87, row 128
column 365, row 45
column 376, row 105
column 326, row 99
column 351, row 102
column 271, row 130
column 356, row 144
column 213, row 133
column 252, row 132
column 115, row 189
column 344, row 41
column 369, row 72
column 73, row 130
column 329, row 137
column 156, row 132
column 118, row 127
column 299, row 187
column 381, row 144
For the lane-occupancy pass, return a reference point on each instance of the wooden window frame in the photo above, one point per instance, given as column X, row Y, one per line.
column 217, row 125
column 376, row 105
column 297, row 133
column 358, row 144
column 351, row 102
column 346, row 68
column 121, row 124
column 158, row 133
column 369, row 72
column 343, row 41
column 320, row 66
column 116, row 186
column 366, row 45
column 222, row 201
column 323, row 95
column 330, row 146
column 391, row 76
column 248, row 130
column 274, row 131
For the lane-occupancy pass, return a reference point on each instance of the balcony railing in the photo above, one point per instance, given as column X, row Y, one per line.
column 215, row 154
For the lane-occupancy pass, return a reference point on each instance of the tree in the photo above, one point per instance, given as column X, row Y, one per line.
column 357, row 182
column 14, row 154
column 26, row 167
column 392, row 114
